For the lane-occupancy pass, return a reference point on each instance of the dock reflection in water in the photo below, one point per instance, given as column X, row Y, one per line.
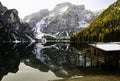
column 39, row 62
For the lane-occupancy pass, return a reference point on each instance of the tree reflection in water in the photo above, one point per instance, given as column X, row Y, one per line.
column 63, row 60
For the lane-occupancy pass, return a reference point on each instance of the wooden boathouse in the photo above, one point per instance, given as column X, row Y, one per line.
column 108, row 53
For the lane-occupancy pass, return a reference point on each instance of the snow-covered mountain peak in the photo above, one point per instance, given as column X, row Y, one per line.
column 62, row 7
column 63, row 19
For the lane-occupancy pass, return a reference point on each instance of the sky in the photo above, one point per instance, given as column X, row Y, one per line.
column 26, row 7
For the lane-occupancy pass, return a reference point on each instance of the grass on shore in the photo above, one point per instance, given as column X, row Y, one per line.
column 94, row 78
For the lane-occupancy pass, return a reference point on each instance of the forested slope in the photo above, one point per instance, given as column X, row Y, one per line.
column 105, row 28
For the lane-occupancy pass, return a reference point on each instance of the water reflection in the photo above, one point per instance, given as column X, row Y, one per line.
column 61, row 59
column 57, row 58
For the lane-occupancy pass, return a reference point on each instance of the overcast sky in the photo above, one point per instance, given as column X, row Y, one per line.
column 26, row 7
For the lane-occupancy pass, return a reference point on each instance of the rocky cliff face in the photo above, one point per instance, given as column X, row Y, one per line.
column 64, row 19
column 3, row 9
column 36, row 17
column 11, row 28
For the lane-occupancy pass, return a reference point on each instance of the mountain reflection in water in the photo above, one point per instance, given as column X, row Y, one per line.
column 59, row 59
column 56, row 60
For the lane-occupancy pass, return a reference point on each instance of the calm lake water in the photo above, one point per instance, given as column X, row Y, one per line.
column 37, row 62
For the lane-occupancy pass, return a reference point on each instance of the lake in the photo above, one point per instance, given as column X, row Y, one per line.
column 49, row 62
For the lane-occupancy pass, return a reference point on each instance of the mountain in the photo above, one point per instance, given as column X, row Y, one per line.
column 64, row 20
column 36, row 17
column 105, row 28
column 59, row 59
column 11, row 28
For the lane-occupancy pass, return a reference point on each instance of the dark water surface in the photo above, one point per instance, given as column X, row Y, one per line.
column 37, row 62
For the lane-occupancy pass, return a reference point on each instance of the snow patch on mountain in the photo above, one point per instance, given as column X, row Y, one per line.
column 63, row 9
column 83, row 24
